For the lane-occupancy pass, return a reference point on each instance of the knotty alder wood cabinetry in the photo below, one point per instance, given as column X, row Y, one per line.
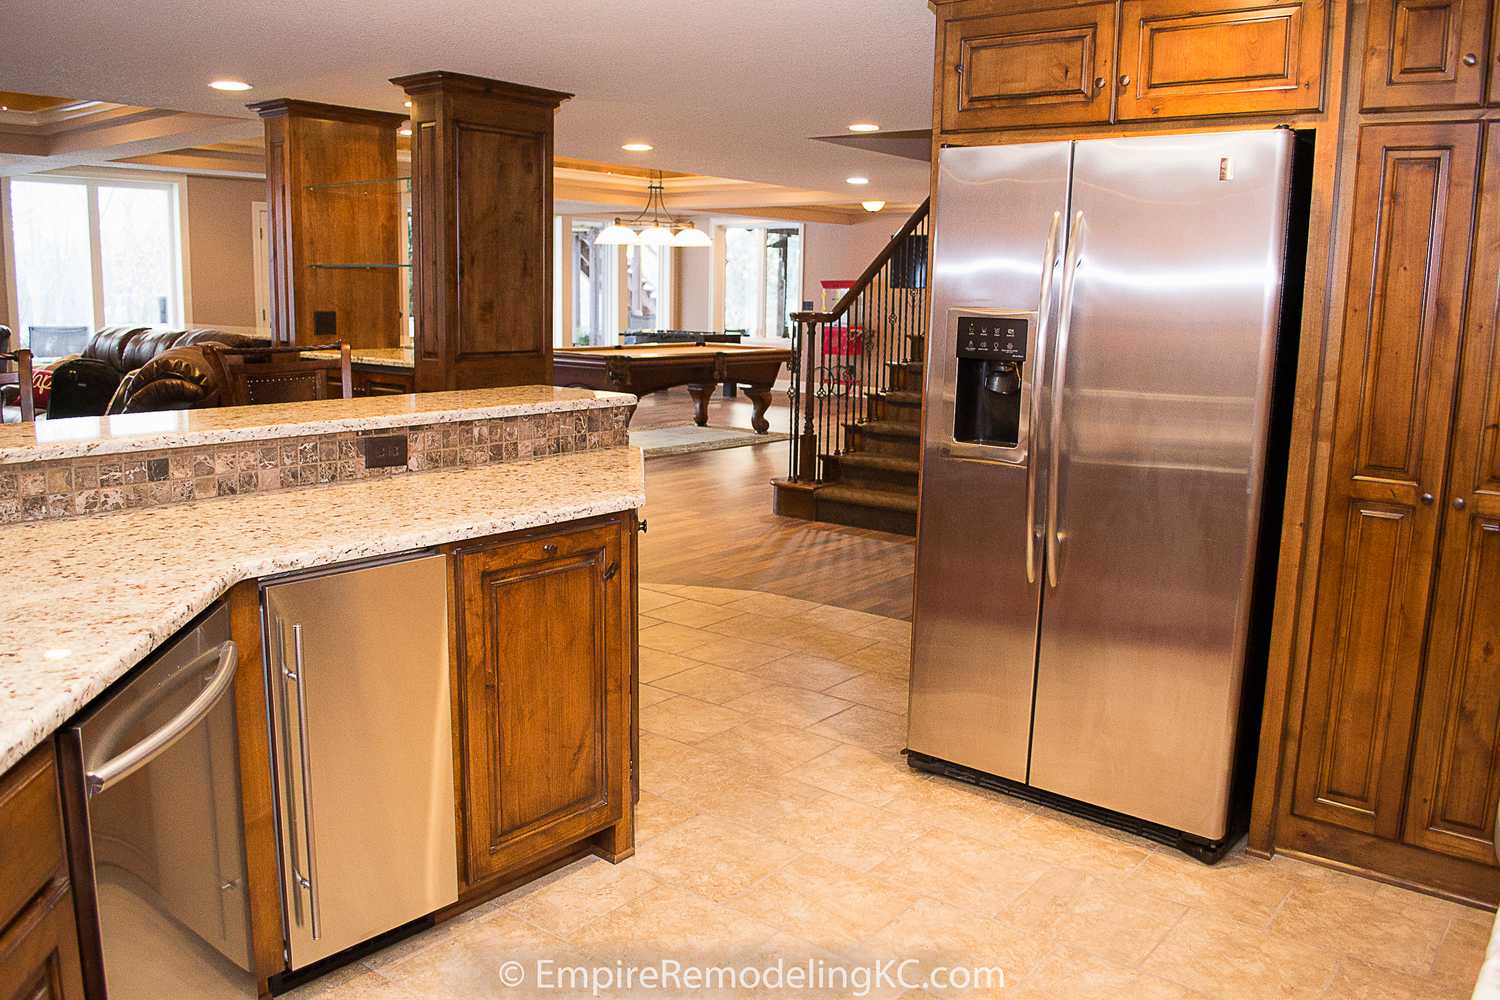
column 544, row 695
column 482, row 216
column 38, row 929
column 1004, row 65
column 1426, row 54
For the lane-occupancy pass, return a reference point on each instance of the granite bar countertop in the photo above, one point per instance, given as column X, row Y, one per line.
column 98, row 594
column 77, row 437
column 379, row 357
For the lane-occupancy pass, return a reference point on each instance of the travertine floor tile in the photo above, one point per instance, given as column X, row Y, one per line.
column 655, row 815
column 648, row 601
column 709, row 683
column 772, row 604
column 835, row 907
column 1345, row 915
column 860, row 774
column 649, row 695
column 688, row 719
column 585, row 890
column 1225, row 958
column 711, row 858
column 841, row 619
column 959, row 808
column 656, row 664
column 803, row 671
column 673, row 638
column 737, row 654
column 769, row 745
column 881, row 657
column 1239, row 886
column 865, row 727
column 695, row 613
column 788, row 705
column 874, row 690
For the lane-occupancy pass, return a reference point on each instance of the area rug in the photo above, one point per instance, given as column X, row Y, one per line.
column 682, row 439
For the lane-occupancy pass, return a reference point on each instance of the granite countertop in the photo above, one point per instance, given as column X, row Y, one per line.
column 100, row 593
column 380, row 357
column 77, row 437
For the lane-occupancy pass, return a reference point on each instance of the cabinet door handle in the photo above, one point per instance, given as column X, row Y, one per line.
column 1470, row 59
column 1125, row 80
column 1099, row 83
column 614, row 568
column 1459, row 503
column 1427, row 499
column 550, row 549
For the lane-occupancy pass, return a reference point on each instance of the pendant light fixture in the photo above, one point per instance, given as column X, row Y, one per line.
column 654, row 226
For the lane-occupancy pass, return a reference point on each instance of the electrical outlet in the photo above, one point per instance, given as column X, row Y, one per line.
column 385, row 452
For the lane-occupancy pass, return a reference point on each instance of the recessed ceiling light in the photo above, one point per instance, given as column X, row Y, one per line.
column 864, row 127
column 857, row 180
column 872, row 206
column 231, row 85
column 638, row 147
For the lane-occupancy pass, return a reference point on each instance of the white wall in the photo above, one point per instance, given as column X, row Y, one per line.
column 841, row 253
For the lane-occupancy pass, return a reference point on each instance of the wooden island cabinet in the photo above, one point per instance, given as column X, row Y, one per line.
column 39, row 958
column 1379, row 747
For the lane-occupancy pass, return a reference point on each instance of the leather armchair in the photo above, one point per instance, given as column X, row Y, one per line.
column 182, row 378
column 94, row 382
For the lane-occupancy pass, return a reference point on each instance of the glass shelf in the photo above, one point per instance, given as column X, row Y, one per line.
column 366, row 182
column 358, row 267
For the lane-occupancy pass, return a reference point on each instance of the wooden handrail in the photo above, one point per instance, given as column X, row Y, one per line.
column 868, row 278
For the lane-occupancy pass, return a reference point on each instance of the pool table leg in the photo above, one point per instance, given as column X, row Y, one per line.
column 760, row 398
column 701, row 392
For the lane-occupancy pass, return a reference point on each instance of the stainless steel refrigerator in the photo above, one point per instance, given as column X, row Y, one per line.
column 1099, row 394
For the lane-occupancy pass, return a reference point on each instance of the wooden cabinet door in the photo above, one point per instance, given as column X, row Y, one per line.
column 1425, row 53
column 1213, row 57
column 1413, row 210
column 1049, row 67
column 39, row 950
column 544, row 735
column 1455, row 782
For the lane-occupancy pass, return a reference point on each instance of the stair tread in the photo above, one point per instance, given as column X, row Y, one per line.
column 887, row 499
column 873, row 460
column 890, row 428
column 901, row 396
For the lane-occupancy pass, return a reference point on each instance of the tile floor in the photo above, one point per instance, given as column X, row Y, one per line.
column 778, row 820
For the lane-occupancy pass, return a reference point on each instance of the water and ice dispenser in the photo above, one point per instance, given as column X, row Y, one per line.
column 988, row 393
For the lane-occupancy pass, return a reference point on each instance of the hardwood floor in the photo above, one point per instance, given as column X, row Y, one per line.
column 711, row 525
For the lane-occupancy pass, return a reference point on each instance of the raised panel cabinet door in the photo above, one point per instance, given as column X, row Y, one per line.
column 1213, row 57
column 545, row 668
column 39, row 949
column 1413, row 198
column 1425, row 53
column 1455, row 782
column 1049, row 67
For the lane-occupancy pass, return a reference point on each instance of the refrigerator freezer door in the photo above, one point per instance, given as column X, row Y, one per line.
column 1164, row 397
column 975, row 612
column 358, row 679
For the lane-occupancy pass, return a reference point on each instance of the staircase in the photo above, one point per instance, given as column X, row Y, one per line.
column 857, row 396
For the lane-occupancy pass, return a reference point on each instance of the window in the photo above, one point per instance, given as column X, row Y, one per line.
column 762, row 279
column 604, row 291
column 91, row 252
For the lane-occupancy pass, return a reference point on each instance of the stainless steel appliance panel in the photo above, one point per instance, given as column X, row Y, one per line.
column 358, row 674
column 1164, row 362
column 161, row 786
column 998, row 232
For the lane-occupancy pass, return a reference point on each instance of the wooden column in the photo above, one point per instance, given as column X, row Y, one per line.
column 482, row 217
column 334, row 202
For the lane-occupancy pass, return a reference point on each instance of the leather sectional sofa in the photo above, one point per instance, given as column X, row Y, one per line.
column 133, row 369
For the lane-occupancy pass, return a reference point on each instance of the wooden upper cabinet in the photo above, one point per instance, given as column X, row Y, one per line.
column 1425, row 53
column 1413, row 212
column 1212, row 57
column 1049, row 67
column 1455, row 781
column 544, row 702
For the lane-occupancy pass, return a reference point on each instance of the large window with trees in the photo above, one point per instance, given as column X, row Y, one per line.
column 607, row 291
column 762, row 279
column 88, row 252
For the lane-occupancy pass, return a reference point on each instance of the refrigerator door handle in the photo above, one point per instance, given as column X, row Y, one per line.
column 309, row 880
column 1039, row 366
column 1059, row 381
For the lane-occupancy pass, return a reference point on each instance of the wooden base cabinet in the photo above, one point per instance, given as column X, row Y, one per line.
column 545, row 688
column 38, row 927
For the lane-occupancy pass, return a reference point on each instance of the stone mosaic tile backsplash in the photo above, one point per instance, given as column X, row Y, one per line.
column 46, row 491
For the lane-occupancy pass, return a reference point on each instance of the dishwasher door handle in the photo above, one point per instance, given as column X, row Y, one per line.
column 122, row 765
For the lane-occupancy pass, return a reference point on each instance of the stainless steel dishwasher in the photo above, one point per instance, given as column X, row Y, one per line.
column 362, row 740
column 153, row 768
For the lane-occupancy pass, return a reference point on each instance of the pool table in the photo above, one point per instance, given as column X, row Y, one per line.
column 643, row 368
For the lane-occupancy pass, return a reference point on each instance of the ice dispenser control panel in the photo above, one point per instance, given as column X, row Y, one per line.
column 989, row 381
column 993, row 338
